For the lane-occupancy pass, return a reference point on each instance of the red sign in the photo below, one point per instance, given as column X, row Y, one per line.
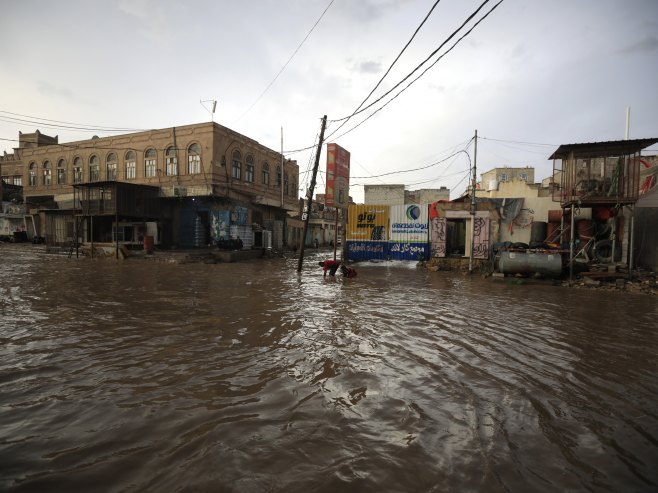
column 338, row 177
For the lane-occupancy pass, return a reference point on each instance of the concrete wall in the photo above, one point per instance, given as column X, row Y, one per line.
column 537, row 201
column 384, row 194
column 495, row 175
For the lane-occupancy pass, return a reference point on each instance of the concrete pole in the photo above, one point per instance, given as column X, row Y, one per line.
column 473, row 205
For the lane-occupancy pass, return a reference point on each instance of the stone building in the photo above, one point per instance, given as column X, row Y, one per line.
column 210, row 181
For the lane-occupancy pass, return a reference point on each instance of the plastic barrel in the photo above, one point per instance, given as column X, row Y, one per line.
column 148, row 244
column 538, row 230
column 586, row 229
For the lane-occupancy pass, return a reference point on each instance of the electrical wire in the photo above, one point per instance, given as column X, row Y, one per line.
column 68, row 125
column 410, row 170
column 419, row 66
column 286, row 64
column 414, row 80
column 392, row 64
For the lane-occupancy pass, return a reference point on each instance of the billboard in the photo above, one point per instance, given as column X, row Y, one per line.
column 338, row 177
column 409, row 236
column 367, row 229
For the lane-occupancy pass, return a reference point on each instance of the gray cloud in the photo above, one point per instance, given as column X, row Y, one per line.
column 650, row 43
column 369, row 67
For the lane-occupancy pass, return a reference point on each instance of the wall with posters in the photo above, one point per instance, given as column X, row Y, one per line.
column 367, row 232
column 409, row 232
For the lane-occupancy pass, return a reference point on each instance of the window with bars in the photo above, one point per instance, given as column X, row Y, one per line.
column 47, row 173
column 61, row 172
column 77, row 170
column 94, row 169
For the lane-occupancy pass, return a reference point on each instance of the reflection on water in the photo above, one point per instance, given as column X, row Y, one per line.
column 142, row 376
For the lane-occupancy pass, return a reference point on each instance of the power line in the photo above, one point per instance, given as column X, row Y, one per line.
column 410, row 170
column 391, row 66
column 518, row 142
column 286, row 64
column 34, row 120
column 414, row 80
column 421, row 64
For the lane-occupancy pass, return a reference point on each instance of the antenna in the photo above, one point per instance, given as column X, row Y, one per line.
column 214, row 107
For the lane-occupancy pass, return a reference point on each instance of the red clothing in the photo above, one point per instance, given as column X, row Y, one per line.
column 330, row 265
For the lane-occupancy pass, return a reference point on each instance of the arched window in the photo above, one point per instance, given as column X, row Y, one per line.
column 249, row 168
column 32, row 179
column 237, row 165
column 278, row 176
column 47, row 173
column 150, row 163
column 61, row 172
column 94, row 169
column 77, row 170
column 131, row 165
column 285, row 183
column 194, row 159
column 111, row 166
column 266, row 174
column 171, row 163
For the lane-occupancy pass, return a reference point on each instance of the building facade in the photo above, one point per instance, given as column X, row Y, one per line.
column 397, row 195
column 202, row 172
column 492, row 178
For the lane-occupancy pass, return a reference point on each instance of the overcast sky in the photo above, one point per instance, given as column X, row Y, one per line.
column 534, row 71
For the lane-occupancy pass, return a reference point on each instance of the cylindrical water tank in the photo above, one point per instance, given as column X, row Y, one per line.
column 547, row 264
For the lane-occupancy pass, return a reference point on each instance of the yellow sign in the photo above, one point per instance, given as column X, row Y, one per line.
column 367, row 223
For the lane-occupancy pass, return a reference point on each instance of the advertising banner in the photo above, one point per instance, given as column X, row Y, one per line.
column 219, row 225
column 409, row 232
column 367, row 229
column 338, row 177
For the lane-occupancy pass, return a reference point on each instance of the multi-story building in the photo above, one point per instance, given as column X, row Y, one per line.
column 208, row 182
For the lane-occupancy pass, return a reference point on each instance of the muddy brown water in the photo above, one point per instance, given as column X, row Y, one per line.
column 145, row 376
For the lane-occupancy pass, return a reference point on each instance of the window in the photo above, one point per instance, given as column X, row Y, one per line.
column 266, row 174
column 150, row 157
column 503, row 177
column 77, row 170
column 523, row 176
column 131, row 166
column 249, row 168
column 111, row 166
column 293, row 189
column 171, row 163
column 18, row 180
column 94, row 169
column 47, row 173
column 61, row 172
column 33, row 174
column 237, row 165
column 285, row 183
column 278, row 176
column 194, row 159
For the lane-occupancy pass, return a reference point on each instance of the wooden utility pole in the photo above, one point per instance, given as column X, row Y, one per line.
column 309, row 195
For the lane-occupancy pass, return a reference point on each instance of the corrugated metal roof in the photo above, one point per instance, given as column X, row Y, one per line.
column 602, row 149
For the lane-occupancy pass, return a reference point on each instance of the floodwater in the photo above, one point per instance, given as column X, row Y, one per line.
column 246, row 377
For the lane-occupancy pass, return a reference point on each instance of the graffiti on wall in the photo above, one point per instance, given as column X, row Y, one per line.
column 438, row 236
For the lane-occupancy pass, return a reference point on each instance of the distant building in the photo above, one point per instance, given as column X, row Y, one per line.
column 397, row 195
column 492, row 178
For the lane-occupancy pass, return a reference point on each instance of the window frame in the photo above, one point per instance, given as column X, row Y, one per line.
column 94, row 168
column 32, row 174
column 112, row 166
column 249, row 168
column 265, row 174
column 236, row 169
column 78, row 169
column 193, row 159
column 150, row 163
column 171, row 161
column 130, row 165
column 47, row 173
column 61, row 171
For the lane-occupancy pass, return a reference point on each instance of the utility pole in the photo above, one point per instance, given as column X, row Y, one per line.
column 473, row 206
column 282, row 164
column 309, row 195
